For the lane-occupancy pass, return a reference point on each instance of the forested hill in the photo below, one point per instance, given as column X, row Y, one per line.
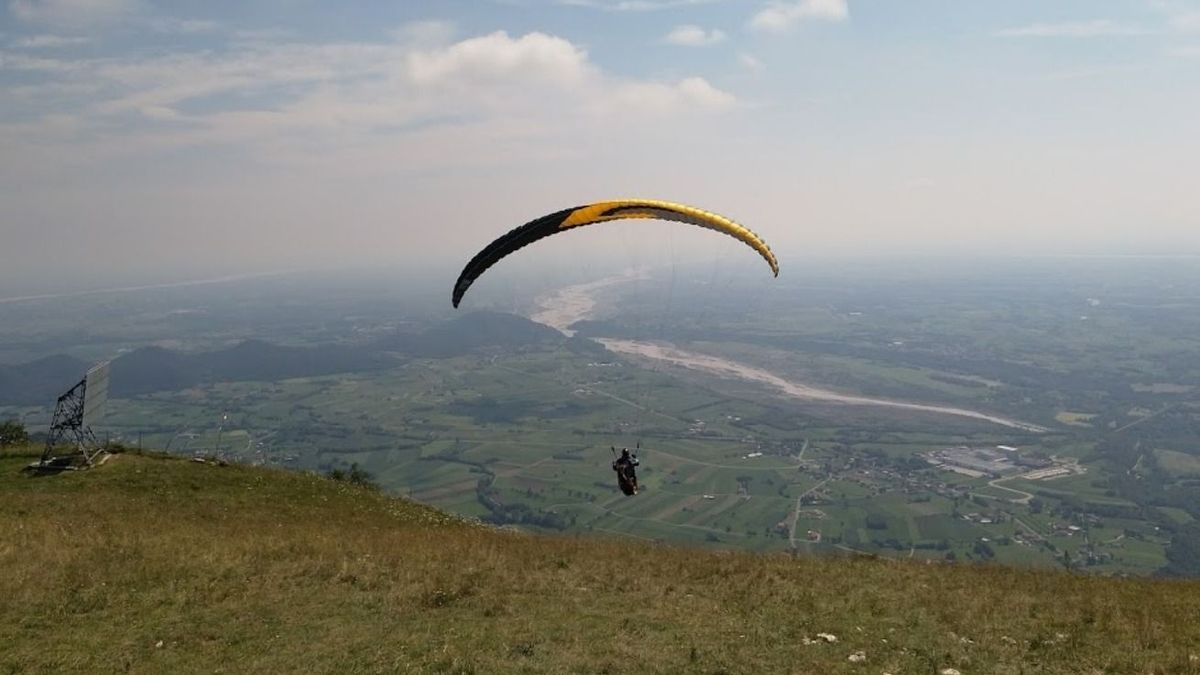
column 478, row 330
column 154, row 369
column 149, row 369
column 39, row 382
column 149, row 564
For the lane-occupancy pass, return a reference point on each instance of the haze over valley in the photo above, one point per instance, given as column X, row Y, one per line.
column 904, row 411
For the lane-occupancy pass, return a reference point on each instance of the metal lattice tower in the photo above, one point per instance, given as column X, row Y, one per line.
column 72, row 415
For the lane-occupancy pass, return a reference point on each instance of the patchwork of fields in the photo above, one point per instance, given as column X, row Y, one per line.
column 525, row 438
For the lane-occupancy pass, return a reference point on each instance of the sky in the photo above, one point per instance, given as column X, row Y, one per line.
column 181, row 139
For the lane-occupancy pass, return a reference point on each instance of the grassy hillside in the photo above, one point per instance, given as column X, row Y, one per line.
column 149, row 564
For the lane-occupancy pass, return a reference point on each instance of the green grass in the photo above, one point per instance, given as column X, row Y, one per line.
column 1176, row 514
column 1178, row 463
column 148, row 564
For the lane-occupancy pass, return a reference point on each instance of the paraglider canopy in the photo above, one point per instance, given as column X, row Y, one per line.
column 600, row 212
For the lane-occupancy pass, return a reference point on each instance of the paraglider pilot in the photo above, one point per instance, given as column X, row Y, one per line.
column 626, row 476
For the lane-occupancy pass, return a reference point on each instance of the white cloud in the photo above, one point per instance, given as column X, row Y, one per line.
column 1190, row 51
column 263, row 34
column 634, row 100
column 301, row 99
column 1185, row 22
column 533, row 57
column 72, row 12
column 779, row 17
column 161, row 113
column 1075, row 29
column 49, row 41
column 181, row 26
column 22, row 62
column 1181, row 17
column 697, row 91
column 80, row 15
column 635, row 5
column 750, row 62
column 694, row 36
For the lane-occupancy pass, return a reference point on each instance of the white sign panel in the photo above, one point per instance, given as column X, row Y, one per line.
column 95, row 394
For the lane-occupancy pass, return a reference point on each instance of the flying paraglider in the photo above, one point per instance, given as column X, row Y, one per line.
column 598, row 213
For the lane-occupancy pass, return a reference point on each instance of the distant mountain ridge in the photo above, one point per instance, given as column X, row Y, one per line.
column 150, row 369
column 40, row 381
column 472, row 332
column 156, row 369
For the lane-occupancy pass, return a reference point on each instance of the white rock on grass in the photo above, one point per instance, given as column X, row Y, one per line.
column 858, row 657
column 950, row 671
column 828, row 637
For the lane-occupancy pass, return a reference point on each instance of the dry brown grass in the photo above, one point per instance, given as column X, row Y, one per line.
column 234, row 569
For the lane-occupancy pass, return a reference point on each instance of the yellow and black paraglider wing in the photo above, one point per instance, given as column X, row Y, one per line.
column 599, row 213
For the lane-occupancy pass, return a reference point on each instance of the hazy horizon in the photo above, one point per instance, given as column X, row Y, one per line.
column 560, row 264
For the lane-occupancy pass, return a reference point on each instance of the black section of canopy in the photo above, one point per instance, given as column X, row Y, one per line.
column 514, row 240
